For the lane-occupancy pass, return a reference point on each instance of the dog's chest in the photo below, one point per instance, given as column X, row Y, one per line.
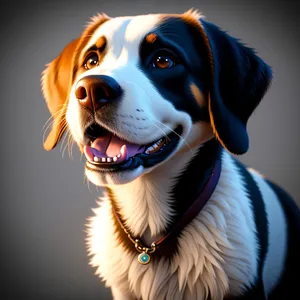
column 212, row 256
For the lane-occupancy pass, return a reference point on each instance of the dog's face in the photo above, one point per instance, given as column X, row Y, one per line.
column 135, row 91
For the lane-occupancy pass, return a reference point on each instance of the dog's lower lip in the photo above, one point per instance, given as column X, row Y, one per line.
column 153, row 153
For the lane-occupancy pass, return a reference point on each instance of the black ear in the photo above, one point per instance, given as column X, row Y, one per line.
column 239, row 81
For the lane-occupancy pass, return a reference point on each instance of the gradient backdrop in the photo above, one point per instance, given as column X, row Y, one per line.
column 44, row 200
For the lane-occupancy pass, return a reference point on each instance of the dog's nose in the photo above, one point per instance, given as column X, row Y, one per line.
column 95, row 91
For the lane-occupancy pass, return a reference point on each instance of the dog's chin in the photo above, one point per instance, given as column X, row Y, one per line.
column 114, row 178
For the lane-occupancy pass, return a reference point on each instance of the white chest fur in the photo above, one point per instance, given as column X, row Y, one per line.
column 213, row 258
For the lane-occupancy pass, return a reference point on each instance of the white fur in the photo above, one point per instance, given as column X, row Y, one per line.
column 274, row 263
column 213, row 256
column 157, row 116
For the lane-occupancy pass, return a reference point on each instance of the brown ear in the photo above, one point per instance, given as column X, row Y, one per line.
column 56, row 84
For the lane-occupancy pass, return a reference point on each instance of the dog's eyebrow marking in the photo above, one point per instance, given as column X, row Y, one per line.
column 98, row 46
column 97, row 21
column 151, row 38
column 101, row 43
column 197, row 95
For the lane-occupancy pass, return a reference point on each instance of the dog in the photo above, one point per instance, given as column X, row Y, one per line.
column 159, row 105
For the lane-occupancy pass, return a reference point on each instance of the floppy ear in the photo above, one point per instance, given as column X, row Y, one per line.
column 239, row 81
column 56, row 83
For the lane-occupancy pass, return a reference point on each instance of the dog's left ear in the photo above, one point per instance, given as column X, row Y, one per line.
column 239, row 81
column 56, row 83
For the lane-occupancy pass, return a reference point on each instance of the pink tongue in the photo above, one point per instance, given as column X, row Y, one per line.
column 110, row 146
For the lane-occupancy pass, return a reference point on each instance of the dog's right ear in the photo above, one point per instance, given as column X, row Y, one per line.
column 239, row 81
column 56, row 83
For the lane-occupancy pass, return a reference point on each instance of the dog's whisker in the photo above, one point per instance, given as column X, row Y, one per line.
column 63, row 141
column 176, row 134
column 51, row 120
column 70, row 145
column 88, row 184
column 50, row 124
column 161, row 122
column 161, row 130
column 47, row 128
column 63, row 152
column 53, row 115
column 65, row 127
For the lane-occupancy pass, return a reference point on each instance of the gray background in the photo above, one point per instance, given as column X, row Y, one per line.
column 44, row 200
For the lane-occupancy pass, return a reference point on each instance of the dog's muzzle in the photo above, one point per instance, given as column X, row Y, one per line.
column 107, row 151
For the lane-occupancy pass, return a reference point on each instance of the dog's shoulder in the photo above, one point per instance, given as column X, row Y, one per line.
column 277, row 227
column 287, row 286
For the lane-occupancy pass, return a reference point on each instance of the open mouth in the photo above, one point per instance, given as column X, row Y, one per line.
column 109, row 153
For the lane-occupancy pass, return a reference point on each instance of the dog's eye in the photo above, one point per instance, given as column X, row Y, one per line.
column 91, row 61
column 163, row 62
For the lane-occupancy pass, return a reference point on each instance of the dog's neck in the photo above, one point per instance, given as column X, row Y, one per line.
column 152, row 203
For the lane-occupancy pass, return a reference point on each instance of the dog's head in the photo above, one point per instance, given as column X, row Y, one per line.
column 134, row 91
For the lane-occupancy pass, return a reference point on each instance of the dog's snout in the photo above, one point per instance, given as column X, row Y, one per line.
column 95, row 91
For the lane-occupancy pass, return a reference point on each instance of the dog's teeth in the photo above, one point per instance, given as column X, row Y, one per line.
column 124, row 153
column 123, row 149
column 103, row 159
column 156, row 146
column 151, row 148
column 96, row 159
column 119, row 155
column 108, row 159
column 115, row 158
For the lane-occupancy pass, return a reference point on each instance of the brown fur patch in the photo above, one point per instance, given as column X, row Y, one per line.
column 192, row 16
column 151, row 38
column 57, row 80
column 199, row 97
column 96, row 21
column 56, row 83
column 101, row 43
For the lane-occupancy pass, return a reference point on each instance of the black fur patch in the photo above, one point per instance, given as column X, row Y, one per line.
column 240, row 80
column 287, row 287
column 191, row 181
column 178, row 38
column 260, row 218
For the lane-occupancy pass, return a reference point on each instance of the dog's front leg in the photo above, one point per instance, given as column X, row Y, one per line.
column 121, row 295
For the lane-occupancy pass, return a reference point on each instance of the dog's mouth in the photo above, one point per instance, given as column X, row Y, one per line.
column 108, row 152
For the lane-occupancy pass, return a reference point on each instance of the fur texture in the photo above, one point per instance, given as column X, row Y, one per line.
column 175, row 71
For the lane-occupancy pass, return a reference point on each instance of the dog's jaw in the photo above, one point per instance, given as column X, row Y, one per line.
column 197, row 135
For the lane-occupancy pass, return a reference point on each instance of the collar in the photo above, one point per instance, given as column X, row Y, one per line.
column 186, row 218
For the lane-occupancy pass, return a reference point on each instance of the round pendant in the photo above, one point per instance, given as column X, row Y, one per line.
column 144, row 258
